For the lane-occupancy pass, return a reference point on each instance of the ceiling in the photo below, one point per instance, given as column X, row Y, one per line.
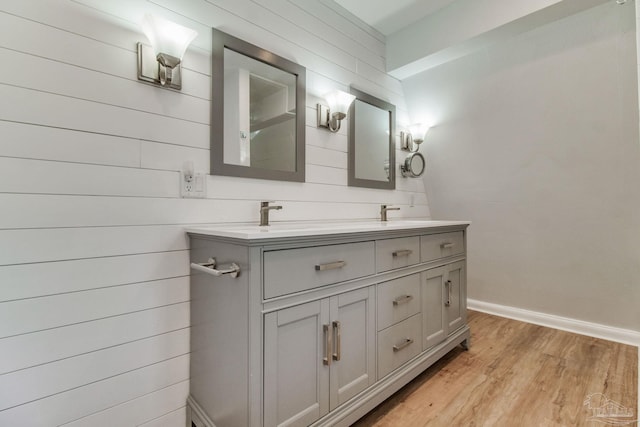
column 422, row 34
column 390, row 16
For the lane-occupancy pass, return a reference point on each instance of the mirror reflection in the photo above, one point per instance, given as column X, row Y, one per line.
column 371, row 142
column 259, row 115
column 258, row 112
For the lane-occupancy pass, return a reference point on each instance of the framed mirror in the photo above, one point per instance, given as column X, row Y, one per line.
column 372, row 158
column 258, row 112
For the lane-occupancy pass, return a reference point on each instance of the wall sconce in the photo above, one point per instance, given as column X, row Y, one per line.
column 160, row 62
column 330, row 116
column 410, row 141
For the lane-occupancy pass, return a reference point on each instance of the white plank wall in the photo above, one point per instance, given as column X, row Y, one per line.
column 94, row 285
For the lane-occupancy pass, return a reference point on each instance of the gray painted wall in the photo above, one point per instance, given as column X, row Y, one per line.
column 535, row 140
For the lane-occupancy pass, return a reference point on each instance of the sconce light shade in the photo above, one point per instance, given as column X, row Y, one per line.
column 418, row 132
column 167, row 37
column 411, row 140
column 338, row 105
column 169, row 42
column 339, row 102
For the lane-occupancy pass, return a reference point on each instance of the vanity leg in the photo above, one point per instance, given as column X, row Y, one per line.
column 466, row 344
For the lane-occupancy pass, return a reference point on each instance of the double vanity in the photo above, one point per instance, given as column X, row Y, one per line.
column 303, row 324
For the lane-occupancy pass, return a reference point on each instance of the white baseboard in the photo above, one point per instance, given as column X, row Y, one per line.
column 624, row 336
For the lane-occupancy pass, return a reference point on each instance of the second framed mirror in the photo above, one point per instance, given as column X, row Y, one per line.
column 372, row 123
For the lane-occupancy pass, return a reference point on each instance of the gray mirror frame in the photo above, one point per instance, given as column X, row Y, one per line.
column 369, row 183
column 222, row 40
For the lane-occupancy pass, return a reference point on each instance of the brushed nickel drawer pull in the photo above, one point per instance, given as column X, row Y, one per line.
column 209, row 267
column 407, row 342
column 330, row 266
column 447, row 303
column 403, row 252
column 326, row 360
column 403, row 299
column 336, row 329
column 447, row 245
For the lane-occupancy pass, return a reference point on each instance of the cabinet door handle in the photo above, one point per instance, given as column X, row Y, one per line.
column 326, row 360
column 447, row 303
column 447, row 245
column 405, row 343
column 402, row 300
column 336, row 329
column 330, row 265
column 402, row 252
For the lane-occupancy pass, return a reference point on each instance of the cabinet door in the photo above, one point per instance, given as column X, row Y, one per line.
column 433, row 314
column 353, row 365
column 296, row 381
column 455, row 296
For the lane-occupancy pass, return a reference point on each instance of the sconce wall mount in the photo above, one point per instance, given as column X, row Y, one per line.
column 161, row 62
column 406, row 142
column 325, row 120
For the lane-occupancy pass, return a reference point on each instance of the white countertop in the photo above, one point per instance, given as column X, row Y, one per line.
column 302, row 229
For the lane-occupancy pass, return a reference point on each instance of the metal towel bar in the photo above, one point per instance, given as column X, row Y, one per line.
column 209, row 267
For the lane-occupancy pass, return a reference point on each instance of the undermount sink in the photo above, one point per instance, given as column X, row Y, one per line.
column 300, row 229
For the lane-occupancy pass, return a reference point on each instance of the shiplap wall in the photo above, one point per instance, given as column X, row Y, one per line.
column 94, row 286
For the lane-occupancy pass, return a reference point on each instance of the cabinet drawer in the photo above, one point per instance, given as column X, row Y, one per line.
column 397, row 300
column 434, row 246
column 397, row 253
column 294, row 270
column 398, row 344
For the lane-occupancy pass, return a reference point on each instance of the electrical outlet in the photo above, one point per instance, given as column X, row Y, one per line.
column 193, row 185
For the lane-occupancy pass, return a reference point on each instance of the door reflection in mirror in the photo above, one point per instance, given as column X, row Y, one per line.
column 259, row 115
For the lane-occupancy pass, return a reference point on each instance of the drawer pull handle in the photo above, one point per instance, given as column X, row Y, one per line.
column 336, row 329
column 446, row 245
column 330, row 266
column 405, row 343
column 447, row 303
column 209, row 267
column 403, row 252
column 402, row 300
column 326, row 360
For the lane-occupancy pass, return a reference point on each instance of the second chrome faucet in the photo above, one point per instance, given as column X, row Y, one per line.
column 264, row 212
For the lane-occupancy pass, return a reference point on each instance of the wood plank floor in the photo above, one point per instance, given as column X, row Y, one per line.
column 518, row 374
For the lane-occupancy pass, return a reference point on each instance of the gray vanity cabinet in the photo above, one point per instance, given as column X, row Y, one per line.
column 455, row 296
column 317, row 356
column 433, row 313
column 296, row 390
column 352, row 369
column 318, row 329
column 443, row 302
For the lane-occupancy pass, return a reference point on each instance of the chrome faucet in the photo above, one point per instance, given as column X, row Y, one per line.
column 264, row 212
column 383, row 211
